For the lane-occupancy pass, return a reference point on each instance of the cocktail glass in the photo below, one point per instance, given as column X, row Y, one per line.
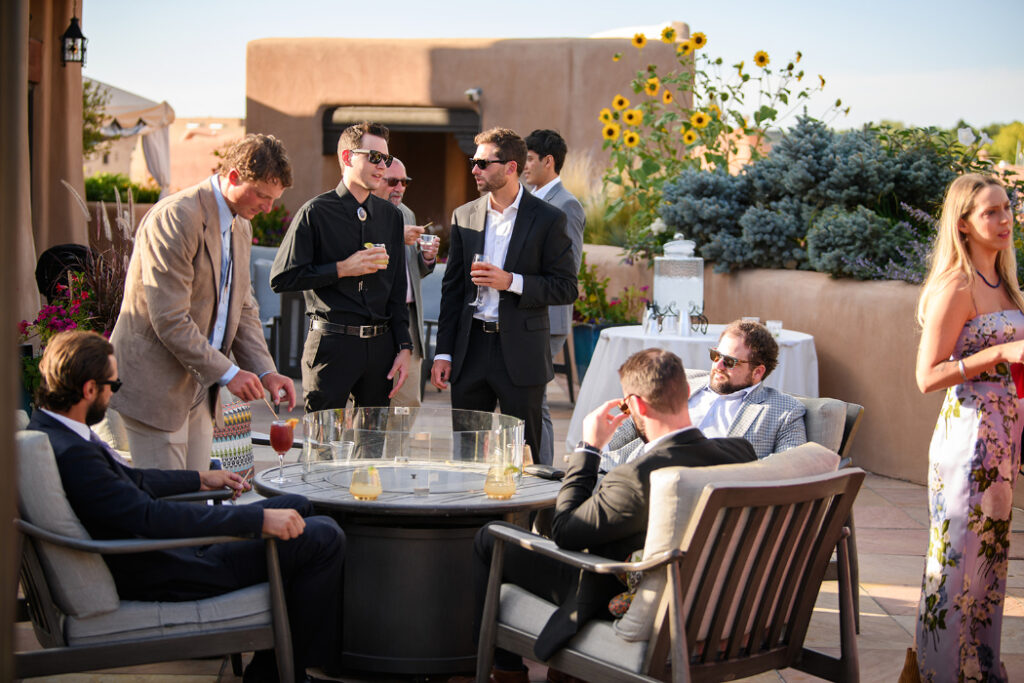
column 366, row 484
column 500, row 483
column 479, row 300
column 282, row 435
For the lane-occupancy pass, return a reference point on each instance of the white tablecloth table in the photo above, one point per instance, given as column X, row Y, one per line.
column 796, row 373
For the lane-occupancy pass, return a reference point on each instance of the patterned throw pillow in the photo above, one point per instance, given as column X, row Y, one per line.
column 621, row 602
column 232, row 441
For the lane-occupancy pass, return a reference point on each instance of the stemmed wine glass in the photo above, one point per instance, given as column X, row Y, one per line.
column 479, row 300
column 281, row 437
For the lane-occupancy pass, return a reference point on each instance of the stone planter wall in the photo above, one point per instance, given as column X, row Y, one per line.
column 97, row 236
column 866, row 340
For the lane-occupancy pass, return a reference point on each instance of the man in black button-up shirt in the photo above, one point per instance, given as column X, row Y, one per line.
column 359, row 342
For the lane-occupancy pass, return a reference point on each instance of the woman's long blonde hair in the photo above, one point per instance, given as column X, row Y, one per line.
column 949, row 257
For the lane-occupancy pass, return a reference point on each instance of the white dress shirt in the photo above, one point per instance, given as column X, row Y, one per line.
column 714, row 413
column 542, row 192
column 497, row 235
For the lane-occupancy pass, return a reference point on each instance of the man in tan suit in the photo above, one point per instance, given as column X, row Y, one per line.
column 188, row 306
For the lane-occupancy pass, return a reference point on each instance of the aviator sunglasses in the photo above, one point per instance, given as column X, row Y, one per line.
column 482, row 164
column 393, row 182
column 375, row 157
column 728, row 361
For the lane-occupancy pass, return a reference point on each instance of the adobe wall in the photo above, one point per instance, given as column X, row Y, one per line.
column 527, row 84
column 866, row 340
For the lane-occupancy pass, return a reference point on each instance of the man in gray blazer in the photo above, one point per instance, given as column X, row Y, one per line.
column 545, row 154
column 732, row 400
column 495, row 350
column 419, row 260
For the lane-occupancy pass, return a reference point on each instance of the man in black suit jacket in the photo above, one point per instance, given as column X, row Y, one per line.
column 611, row 519
column 115, row 501
column 496, row 353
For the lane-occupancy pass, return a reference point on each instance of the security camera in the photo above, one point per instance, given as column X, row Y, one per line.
column 474, row 94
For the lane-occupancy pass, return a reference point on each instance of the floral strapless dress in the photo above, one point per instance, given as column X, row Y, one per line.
column 972, row 466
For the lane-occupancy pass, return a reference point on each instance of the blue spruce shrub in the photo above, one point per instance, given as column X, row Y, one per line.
column 704, row 204
column 774, row 235
column 855, row 243
column 801, row 160
column 861, row 172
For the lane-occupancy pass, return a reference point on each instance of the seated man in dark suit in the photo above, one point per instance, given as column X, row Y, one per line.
column 608, row 518
column 113, row 501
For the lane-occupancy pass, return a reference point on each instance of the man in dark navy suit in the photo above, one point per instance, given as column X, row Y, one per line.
column 115, row 501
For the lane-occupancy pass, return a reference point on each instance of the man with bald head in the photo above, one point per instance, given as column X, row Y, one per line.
column 419, row 260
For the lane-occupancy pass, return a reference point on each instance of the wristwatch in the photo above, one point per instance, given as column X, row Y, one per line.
column 405, row 346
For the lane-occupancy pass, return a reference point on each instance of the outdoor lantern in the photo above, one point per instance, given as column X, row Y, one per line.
column 73, row 42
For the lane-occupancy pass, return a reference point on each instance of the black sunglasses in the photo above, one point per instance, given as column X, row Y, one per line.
column 482, row 164
column 392, row 182
column 115, row 384
column 375, row 157
column 728, row 361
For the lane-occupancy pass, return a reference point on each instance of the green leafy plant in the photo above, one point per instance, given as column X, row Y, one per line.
column 268, row 228
column 695, row 116
column 95, row 98
column 594, row 306
column 106, row 186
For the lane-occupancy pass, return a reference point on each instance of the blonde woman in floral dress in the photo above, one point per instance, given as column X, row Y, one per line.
column 972, row 324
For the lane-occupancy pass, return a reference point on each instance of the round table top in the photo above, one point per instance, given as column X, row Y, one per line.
column 453, row 490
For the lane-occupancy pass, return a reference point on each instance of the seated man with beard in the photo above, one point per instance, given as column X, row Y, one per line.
column 732, row 400
column 115, row 501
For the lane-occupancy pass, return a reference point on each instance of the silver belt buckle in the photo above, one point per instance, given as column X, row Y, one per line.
column 366, row 331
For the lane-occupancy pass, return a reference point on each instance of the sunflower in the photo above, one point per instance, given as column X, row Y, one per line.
column 617, row 56
column 630, row 138
column 761, row 58
column 739, row 68
column 639, row 40
column 666, row 96
column 799, row 56
column 652, row 85
column 633, row 117
column 605, row 115
column 610, row 131
column 714, row 111
column 684, row 48
column 689, row 136
column 620, row 103
column 668, row 35
column 699, row 40
column 699, row 119
column 822, row 79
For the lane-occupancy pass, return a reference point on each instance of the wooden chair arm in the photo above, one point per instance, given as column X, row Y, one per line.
column 119, row 547
column 587, row 561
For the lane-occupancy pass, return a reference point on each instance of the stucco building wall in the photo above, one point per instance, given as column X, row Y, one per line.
column 526, row 84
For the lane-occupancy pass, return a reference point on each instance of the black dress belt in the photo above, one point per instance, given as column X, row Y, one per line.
column 486, row 326
column 361, row 331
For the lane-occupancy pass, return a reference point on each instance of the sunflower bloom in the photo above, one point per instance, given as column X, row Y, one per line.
column 699, row 119
column 666, row 96
column 605, row 115
column 633, row 117
column 761, row 58
column 610, row 131
column 799, row 56
column 652, row 85
column 668, row 35
column 617, row 56
column 620, row 103
column 689, row 136
column 739, row 68
column 714, row 111
column 639, row 40
column 685, row 48
column 822, row 79
column 630, row 138
column 699, row 40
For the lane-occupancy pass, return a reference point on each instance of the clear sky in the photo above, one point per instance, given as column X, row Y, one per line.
column 921, row 62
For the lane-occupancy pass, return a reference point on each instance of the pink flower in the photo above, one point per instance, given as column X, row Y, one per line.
column 23, row 327
column 997, row 500
column 255, row 241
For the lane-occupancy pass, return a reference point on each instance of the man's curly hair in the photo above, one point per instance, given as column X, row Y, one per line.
column 258, row 158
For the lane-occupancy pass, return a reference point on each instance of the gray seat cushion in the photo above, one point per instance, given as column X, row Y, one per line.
column 825, row 420
column 526, row 612
column 80, row 582
column 133, row 620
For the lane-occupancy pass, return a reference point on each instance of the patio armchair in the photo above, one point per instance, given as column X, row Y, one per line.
column 72, row 601
column 733, row 562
